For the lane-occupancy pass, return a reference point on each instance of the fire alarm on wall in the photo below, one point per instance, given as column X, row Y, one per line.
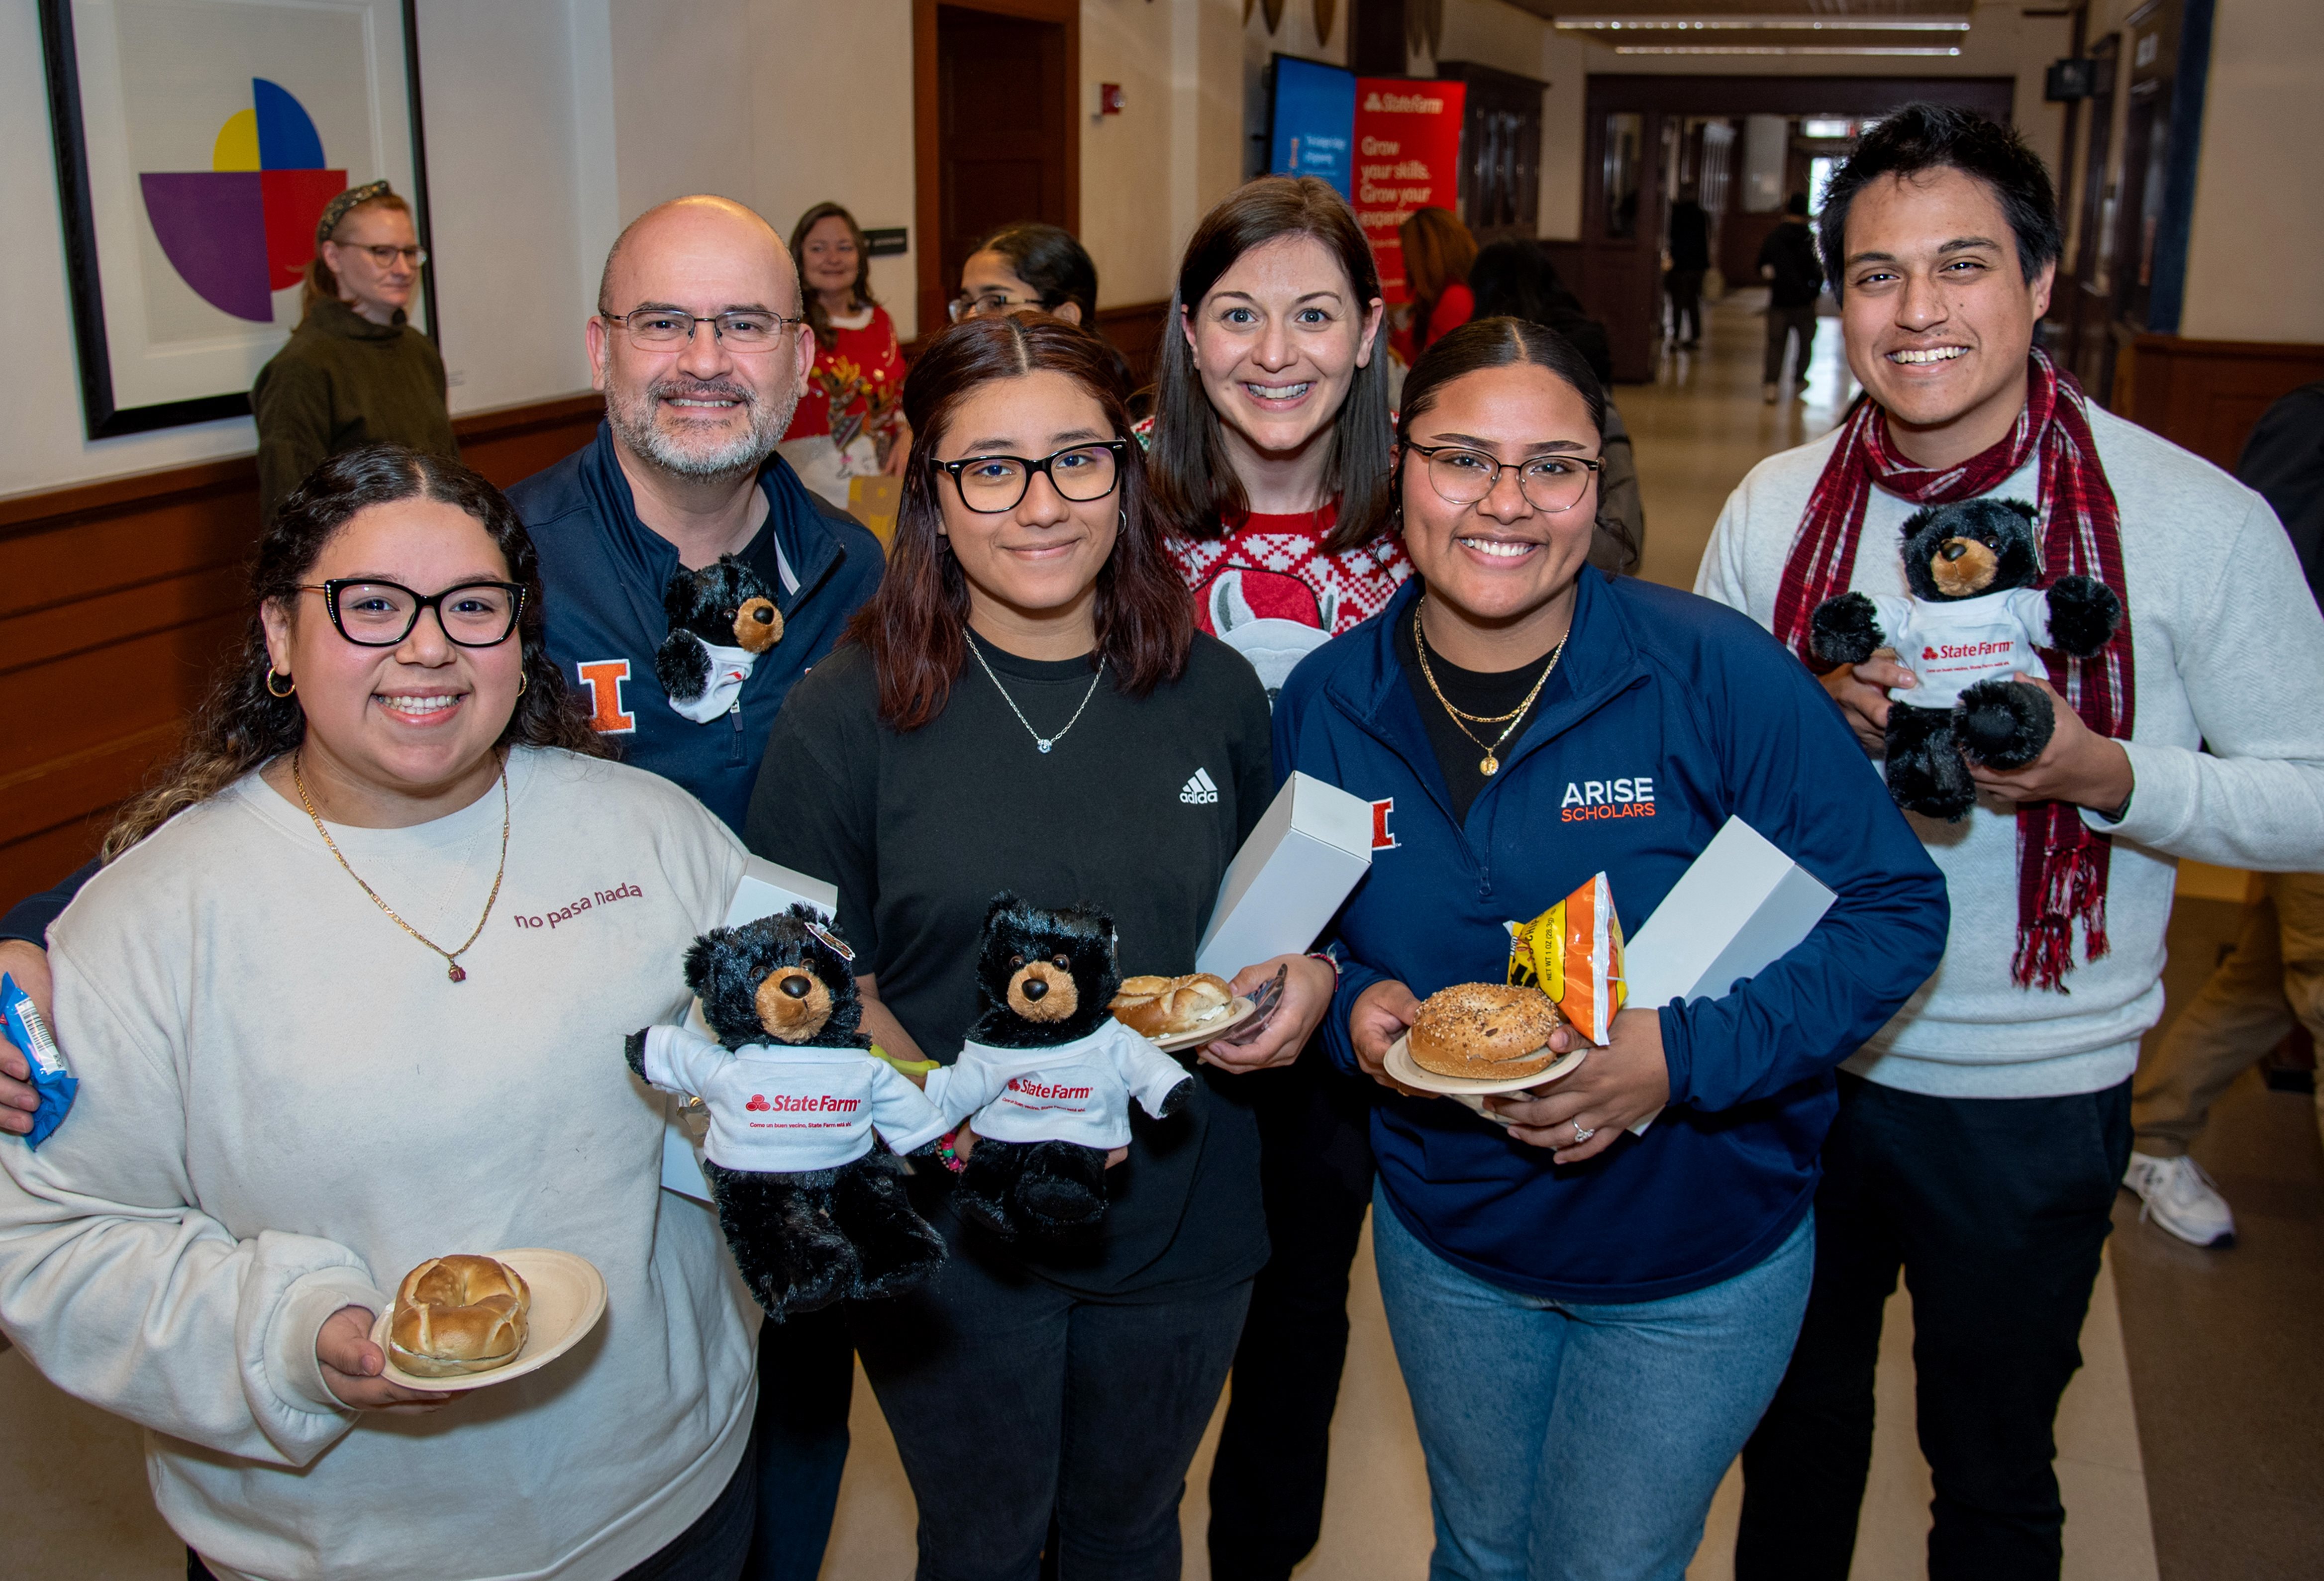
column 1111, row 99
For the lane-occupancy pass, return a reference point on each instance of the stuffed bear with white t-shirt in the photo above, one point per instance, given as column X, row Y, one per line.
column 1971, row 626
column 1046, row 1075
column 813, row 1209
column 722, row 617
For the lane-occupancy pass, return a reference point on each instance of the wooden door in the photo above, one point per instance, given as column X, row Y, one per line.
column 2091, row 350
column 998, row 134
column 1621, row 235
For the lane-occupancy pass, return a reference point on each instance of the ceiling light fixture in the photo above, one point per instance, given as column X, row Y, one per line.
column 1781, row 49
column 1911, row 25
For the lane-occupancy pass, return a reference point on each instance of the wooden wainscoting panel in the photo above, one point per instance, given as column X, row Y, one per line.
column 2206, row 394
column 118, row 600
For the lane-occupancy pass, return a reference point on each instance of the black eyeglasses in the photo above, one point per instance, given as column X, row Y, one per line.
column 991, row 484
column 989, row 304
column 747, row 330
column 1463, row 476
column 382, row 614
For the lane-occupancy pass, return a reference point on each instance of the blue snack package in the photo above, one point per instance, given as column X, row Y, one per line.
column 29, row 1030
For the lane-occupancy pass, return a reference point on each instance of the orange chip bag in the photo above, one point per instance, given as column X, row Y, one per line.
column 1573, row 954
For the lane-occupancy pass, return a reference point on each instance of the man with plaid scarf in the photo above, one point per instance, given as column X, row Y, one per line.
column 1983, row 1132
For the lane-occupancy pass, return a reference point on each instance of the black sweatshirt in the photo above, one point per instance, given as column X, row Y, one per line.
column 918, row 831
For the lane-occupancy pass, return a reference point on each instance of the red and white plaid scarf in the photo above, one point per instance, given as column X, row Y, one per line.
column 2061, row 862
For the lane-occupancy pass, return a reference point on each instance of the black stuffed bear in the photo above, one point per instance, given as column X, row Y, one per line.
column 721, row 619
column 1047, row 1074
column 1973, row 621
column 813, row 1207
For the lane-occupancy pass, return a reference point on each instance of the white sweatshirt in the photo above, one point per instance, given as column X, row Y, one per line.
column 1076, row 1091
column 285, row 1105
column 2227, row 746
column 780, row 1109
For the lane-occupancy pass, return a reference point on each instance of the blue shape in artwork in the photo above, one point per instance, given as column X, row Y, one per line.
column 1315, row 122
column 287, row 139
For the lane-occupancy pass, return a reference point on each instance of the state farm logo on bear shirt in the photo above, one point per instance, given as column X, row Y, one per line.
column 1033, row 1093
column 1632, row 797
column 786, row 1103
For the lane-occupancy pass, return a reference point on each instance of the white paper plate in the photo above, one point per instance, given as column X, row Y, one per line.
column 1238, row 1011
column 569, row 1297
column 1407, row 1070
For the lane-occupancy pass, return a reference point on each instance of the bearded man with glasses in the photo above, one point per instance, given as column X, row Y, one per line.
column 699, row 350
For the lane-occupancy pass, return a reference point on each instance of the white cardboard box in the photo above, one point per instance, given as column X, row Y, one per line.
column 1739, row 908
column 1742, row 906
column 1311, row 849
column 765, row 890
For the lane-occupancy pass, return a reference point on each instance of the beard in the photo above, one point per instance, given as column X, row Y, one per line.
column 634, row 416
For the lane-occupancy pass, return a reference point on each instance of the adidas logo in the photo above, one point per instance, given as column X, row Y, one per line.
column 1198, row 790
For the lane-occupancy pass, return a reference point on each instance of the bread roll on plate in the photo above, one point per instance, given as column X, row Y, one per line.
column 457, row 1315
column 1485, row 1030
column 1166, row 1007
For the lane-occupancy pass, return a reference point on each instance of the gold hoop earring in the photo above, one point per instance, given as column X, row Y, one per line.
column 286, row 691
column 522, row 681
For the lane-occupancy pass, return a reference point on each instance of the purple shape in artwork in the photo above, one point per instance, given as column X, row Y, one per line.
column 212, row 226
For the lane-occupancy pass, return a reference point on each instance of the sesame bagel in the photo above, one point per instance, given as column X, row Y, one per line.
column 1488, row 1030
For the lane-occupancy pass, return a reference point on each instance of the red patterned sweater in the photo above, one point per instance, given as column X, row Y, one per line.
column 1268, row 590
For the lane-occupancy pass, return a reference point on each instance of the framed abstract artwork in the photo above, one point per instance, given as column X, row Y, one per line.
column 196, row 142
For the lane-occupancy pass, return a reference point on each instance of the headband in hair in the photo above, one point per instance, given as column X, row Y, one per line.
column 337, row 208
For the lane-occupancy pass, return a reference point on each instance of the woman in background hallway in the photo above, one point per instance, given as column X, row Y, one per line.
column 850, row 421
column 354, row 373
column 1794, row 277
column 1270, row 450
column 1437, row 253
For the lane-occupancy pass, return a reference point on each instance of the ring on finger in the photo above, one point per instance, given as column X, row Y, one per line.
column 1582, row 1133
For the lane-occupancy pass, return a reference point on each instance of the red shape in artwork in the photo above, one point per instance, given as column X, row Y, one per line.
column 294, row 201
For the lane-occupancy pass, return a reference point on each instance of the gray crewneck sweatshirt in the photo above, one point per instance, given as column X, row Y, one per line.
column 285, row 1105
column 2227, row 746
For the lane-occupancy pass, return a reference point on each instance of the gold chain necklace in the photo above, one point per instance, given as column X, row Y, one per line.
column 455, row 970
column 1491, row 763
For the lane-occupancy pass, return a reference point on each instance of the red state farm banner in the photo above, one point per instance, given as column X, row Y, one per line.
column 1407, row 156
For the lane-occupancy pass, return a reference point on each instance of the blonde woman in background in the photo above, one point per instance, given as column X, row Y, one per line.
column 353, row 371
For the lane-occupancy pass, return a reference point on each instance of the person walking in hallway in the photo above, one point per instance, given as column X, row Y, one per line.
column 354, row 373
column 1690, row 261
column 2275, row 977
column 1788, row 262
column 1982, row 1132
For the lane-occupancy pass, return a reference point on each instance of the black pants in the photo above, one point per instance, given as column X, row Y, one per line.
column 1315, row 1179
column 1782, row 323
column 807, row 1379
column 1013, row 1402
column 710, row 1550
column 1685, row 288
column 1995, row 1208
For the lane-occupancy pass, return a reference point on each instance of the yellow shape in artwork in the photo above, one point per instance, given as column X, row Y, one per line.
column 237, row 148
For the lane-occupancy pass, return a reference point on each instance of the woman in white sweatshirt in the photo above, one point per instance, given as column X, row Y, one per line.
column 350, row 993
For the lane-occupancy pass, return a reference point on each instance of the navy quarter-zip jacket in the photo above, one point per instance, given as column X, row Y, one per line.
column 604, row 571
column 1668, row 715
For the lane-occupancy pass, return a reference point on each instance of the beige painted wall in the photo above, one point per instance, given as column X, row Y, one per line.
column 2256, row 253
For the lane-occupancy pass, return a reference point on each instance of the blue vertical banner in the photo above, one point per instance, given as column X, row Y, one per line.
column 1314, row 122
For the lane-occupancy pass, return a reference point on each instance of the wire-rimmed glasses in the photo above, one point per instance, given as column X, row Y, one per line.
column 384, row 254
column 1463, row 476
column 991, row 484
column 657, row 328
column 371, row 614
column 989, row 303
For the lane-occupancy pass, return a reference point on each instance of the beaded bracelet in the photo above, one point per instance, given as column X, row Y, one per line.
column 951, row 1161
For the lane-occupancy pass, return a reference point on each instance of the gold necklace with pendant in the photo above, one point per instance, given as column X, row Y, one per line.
column 1491, row 763
column 454, row 969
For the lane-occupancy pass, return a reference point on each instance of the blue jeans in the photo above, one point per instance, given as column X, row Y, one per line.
column 1574, row 1442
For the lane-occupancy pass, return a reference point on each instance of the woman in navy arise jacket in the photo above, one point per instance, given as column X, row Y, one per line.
column 1590, row 1321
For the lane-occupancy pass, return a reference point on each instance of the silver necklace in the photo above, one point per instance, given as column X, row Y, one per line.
column 1044, row 742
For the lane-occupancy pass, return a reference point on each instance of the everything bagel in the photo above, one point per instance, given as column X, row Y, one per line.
column 1485, row 1030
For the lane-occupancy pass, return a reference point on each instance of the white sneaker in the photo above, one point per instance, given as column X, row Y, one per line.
column 2181, row 1198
